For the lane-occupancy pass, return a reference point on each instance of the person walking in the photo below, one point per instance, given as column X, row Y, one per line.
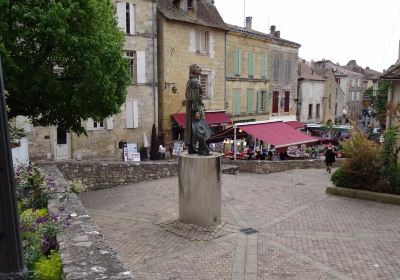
column 330, row 156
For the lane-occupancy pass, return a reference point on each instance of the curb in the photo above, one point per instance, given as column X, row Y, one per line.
column 364, row 195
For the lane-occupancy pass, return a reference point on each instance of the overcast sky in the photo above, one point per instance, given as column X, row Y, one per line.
column 365, row 30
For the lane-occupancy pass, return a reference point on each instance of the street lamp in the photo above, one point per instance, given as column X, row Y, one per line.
column 12, row 263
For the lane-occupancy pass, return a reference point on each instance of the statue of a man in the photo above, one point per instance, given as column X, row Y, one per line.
column 196, row 129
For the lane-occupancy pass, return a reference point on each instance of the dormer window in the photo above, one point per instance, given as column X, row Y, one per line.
column 202, row 41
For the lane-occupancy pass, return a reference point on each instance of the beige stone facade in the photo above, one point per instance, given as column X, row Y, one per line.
column 260, row 65
column 137, row 18
column 180, row 44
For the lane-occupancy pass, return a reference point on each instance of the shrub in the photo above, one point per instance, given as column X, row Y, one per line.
column 33, row 187
column 77, row 186
column 391, row 168
column 362, row 168
column 49, row 268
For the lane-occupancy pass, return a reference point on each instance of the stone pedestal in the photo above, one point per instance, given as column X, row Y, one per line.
column 200, row 189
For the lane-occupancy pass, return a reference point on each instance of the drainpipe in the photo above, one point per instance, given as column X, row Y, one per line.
column 234, row 141
column 155, row 99
column 225, row 107
column 390, row 101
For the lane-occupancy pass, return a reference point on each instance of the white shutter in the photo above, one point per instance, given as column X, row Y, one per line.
column 141, row 67
column 89, row 124
column 121, row 15
column 110, row 123
column 132, row 18
column 135, row 114
column 129, row 114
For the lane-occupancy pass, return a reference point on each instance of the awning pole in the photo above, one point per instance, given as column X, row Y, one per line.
column 234, row 141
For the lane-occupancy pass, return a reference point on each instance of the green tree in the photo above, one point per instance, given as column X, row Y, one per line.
column 381, row 97
column 62, row 60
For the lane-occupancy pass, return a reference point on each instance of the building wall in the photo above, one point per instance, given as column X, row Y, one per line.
column 311, row 92
column 334, row 97
column 103, row 142
column 177, row 51
column 244, row 82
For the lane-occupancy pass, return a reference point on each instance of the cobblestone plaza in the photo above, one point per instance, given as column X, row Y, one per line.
column 299, row 231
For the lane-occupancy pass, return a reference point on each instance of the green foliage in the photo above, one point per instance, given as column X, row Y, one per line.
column 32, row 242
column 33, row 190
column 49, row 268
column 362, row 168
column 391, row 168
column 62, row 54
column 16, row 133
column 77, row 186
column 381, row 97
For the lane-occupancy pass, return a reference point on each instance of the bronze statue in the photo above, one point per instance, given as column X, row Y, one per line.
column 196, row 129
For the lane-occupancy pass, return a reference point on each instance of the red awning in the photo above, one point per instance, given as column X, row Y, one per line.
column 278, row 134
column 212, row 118
column 295, row 124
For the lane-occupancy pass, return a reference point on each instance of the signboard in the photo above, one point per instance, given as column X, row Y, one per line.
column 130, row 152
column 178, row 148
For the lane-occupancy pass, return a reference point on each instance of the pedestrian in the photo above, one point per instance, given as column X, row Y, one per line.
column 330, row 156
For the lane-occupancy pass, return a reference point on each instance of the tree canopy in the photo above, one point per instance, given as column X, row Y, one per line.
column 62, row 60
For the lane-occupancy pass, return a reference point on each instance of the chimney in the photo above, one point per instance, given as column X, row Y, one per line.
column 248, row 22
column 278, row 34
column 272, row 30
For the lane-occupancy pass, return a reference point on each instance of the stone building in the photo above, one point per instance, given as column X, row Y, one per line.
column 189, row 31
column 137, row 19
column 320, row 98
column 350, row 82
column 261, row 77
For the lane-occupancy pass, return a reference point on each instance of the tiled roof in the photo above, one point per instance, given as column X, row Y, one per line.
column 307, row 73
column 261, row 35
column 207, row 14
column 393, row 73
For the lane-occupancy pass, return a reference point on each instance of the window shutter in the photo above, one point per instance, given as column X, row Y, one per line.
column 110, row 123
column 258, row 101
column 132, row 18
column 129, row 114
column 198, row 40
column 267, row 102
column 239, row 61
column 135, row 114
column 121, row 15
column 235, row 62
column 263, row 66
column 141, row 67
column 89, row 124
column 251, row 63
column 250, row 102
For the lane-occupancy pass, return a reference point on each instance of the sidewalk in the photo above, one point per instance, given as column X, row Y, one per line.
column 302, row 233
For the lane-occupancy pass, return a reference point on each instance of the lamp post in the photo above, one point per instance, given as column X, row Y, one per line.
column 12, row 264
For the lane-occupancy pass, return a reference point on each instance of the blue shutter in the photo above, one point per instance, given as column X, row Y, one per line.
column 250, row 100
column 267, row 102
column 251, row 63
column 236, row 102
column 263, row 66
column 258, row 101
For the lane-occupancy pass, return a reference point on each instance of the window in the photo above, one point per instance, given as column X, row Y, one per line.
column 126, row 17
column 317, row 111
column 205, row 84
column 309, row 111
column 359, row 82
column 337, row 81
column 250, row 100
column 190, row 4
column 131, row 56
column 276, row 69
column 236, row 102
column 353, row 82
column 236, row 61
column 275, row 102
column 263, row 68
column 98, row 125
column 287, row 101
column 288, row 70
column 358, row 96
column 335, row 109
column 131, row 114
column 202, row 41
column 262, row 101
column 352, row 96
column 251, row 63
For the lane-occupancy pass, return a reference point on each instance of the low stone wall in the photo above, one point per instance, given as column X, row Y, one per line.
column 266, row 166
column 97, row 175
column 84, row 252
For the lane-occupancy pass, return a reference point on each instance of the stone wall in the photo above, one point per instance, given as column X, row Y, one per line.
column 265, row 166
column 84, row 252
column 97, row 175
